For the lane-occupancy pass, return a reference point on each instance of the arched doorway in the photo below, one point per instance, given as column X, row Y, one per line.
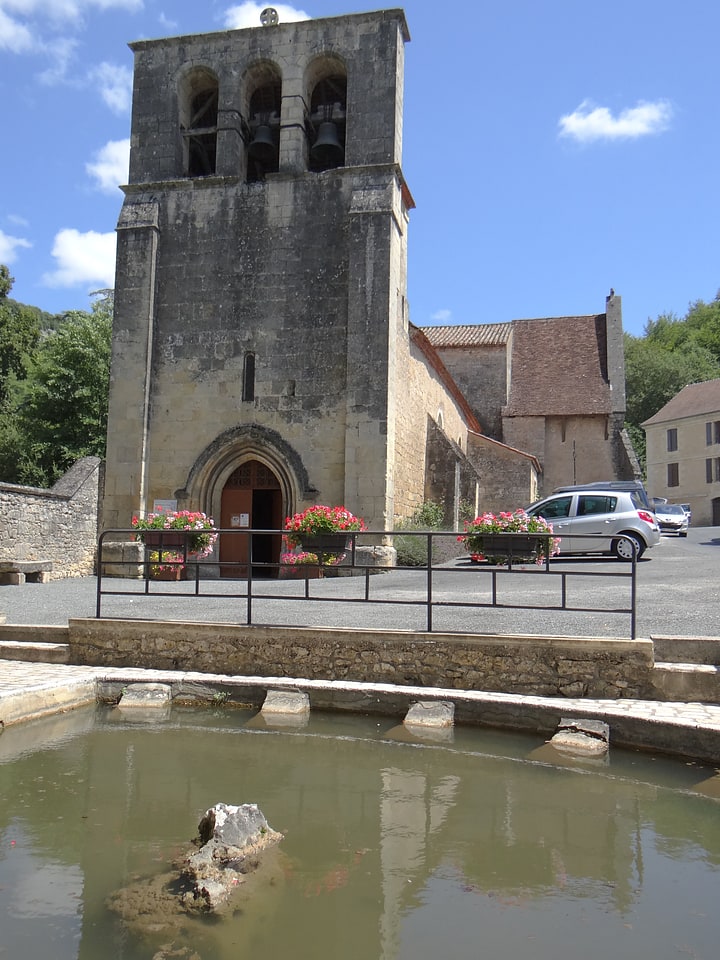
column 251, row 498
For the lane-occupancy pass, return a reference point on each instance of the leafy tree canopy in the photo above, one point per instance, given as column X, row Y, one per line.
column 55, row 403
column 19, row 334
column 673, row 353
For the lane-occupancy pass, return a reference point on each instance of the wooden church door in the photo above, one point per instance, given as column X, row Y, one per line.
column 251, row 499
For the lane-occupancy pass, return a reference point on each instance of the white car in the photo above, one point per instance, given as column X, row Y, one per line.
column 672, row 518
column 628, row 528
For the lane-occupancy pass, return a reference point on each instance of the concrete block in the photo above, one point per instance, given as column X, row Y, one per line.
column 146, row 695
column 288, row 702
column 434, row 713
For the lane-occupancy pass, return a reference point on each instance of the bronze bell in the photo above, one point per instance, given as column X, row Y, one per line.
column 327, row 151
column 262, row 147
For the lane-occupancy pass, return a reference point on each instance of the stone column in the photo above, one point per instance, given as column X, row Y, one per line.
column 128, row 415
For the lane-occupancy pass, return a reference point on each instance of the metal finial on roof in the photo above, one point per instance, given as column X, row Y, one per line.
column 269, row 17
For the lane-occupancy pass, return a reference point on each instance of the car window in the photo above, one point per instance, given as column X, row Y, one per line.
column 640, row 504
column 559, row 507
column 589, row 505
column 672, row 508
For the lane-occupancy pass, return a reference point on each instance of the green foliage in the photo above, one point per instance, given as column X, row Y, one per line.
column 412, row 550
column 55, row 399
column 673, row 353
column 19, row 334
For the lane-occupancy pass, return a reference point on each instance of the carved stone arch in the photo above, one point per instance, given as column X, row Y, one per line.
column 326, row 97
column 198, row 96
column 218, row 461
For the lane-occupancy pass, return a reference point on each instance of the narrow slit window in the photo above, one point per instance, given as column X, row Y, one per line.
column 248, row 391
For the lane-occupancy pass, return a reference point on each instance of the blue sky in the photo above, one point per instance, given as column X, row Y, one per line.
column 554, row 150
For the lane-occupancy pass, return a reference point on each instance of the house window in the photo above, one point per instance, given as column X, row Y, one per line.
column 673, row 475
column 672, row 439
column 712, row 469
column 248, row 390
column 712, row 432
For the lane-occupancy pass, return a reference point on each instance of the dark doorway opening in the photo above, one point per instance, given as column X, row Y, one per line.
column 251, row 499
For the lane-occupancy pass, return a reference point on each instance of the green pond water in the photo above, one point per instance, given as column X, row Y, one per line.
column 478, row 846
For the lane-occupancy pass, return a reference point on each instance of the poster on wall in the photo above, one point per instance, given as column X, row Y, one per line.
column 164, row 506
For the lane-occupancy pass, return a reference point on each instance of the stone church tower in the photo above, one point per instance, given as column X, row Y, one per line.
column 261, row 273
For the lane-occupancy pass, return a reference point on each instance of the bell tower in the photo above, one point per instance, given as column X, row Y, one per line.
column 261, row 267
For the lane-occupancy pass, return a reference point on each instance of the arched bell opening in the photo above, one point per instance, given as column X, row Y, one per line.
column 198, row 122
column 328, row 104
column 263, row 149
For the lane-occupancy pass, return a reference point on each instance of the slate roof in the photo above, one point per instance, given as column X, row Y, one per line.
column 693, row 400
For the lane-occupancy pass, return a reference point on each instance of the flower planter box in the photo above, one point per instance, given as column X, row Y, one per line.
column 174, row 574
column 168, row 541
column 332, row 543
column 518, row 547
column 300, row 571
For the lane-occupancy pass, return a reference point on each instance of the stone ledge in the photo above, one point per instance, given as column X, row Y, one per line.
column 15, row 572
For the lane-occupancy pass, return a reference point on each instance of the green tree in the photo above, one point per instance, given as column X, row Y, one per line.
column 19, row 334
column 59, row 414
column 673, row 353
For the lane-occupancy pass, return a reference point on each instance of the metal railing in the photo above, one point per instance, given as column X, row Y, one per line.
column 432, row 585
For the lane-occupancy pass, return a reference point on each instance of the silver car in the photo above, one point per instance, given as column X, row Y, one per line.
column 627, row 527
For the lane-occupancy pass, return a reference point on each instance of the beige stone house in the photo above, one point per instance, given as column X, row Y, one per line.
column 263, row 354
column 683, row 451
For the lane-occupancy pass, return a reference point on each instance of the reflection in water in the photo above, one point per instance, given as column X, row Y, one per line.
column 395, row 847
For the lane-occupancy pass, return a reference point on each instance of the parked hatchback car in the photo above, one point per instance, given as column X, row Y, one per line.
column 671, row 518
column 628, row 528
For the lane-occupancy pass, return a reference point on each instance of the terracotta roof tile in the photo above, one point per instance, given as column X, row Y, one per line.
column 693, row 400
column 468, row 335
column 559, row 367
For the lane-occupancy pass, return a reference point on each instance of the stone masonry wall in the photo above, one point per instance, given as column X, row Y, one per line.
column 300, row 272
column 59, row 524
column 508, row 480
column 564, row 666
column 431, row 403
column 482, row 375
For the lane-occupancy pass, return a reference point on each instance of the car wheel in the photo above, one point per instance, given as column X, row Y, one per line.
column 629, row 545
column 684, row 534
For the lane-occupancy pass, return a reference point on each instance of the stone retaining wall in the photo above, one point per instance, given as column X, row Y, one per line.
column 555, row 666
column 59, row 524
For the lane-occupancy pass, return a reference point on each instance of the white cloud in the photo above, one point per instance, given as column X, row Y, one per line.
column 115, row 85
column 110, row 165
column 82, row 258
column 167, row 24
column 65, row 9
column 589, row 122
column 41, row 27
column 9, row 246
column 248, row 14
column 14, row 36
column 60, row 53
column 442, row 316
